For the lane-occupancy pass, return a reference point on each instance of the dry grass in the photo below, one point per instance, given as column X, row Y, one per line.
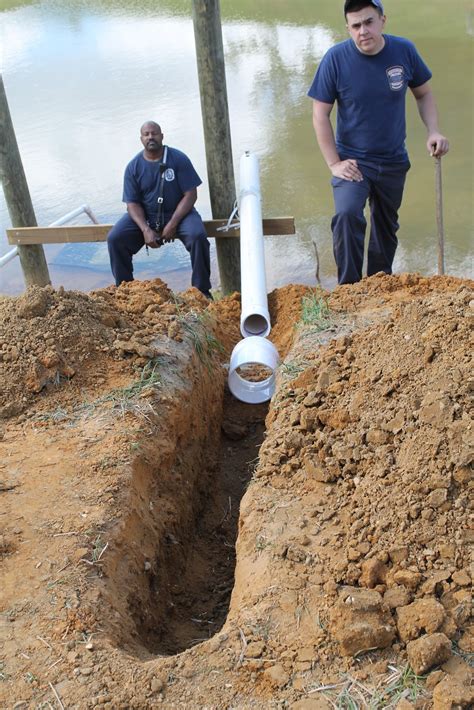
column 351, row 694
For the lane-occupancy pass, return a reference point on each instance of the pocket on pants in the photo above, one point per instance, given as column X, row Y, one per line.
column 337, row 181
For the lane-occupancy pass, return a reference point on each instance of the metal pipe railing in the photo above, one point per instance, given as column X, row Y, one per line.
column 62, row 220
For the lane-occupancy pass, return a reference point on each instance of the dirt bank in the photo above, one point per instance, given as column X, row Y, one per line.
column 123, row 464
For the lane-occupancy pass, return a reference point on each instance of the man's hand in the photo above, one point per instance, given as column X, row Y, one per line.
column 437, row 145
column 169, row 232
column 151, row 237
column 347, row 170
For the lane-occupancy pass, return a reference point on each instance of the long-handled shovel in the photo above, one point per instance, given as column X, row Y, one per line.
column 439, row 215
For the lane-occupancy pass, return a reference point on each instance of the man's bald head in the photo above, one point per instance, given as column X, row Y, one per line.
column 150, row 124
column 152, row 140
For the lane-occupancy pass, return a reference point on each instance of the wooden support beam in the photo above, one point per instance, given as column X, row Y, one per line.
column 216, row 123
column 17, row 197
column 98, row 232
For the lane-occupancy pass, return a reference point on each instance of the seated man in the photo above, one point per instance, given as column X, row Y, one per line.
column 160, row 191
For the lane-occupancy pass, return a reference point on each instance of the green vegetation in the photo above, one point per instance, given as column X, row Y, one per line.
column 204, row 342
column 292, row 369
column 315, row 313
column 124, row 398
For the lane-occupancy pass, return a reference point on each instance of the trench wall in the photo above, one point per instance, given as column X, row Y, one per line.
column 169, row 480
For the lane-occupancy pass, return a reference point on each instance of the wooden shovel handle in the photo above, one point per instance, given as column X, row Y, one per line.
column 439, row 215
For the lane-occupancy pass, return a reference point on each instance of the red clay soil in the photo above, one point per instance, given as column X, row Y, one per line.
column 123, row 463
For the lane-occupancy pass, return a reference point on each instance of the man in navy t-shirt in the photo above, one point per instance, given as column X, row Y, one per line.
column 159, row 190
column 368, row 76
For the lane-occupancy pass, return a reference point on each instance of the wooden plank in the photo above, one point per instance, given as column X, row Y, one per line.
column 59, row 235
column 271, row 227
column 98, row 232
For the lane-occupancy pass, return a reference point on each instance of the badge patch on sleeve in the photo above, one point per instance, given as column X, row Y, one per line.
column 396, row 78
column 169, row 174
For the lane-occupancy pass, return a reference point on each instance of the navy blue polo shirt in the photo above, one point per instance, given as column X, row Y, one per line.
column 141, row 182
column 370, row 93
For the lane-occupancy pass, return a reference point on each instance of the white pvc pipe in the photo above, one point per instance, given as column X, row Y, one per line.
column 255, row 318
column 246, row 382
column 75, row 213
column 62, row 220
column 8, row 256
column 246, row 354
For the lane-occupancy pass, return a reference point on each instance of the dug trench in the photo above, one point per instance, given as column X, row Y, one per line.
column 170, row 575
column 123, row 463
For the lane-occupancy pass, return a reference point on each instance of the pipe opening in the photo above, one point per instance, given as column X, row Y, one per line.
column 252, row 370
column 255, row 324
column 249, row 389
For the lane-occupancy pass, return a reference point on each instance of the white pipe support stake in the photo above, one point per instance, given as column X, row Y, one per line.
column 249, row 352
column 255, row 318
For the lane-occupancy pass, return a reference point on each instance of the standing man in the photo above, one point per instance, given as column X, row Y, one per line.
column 368, row 76
column 159, row 189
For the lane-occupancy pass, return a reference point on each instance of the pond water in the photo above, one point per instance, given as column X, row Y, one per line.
column 82, row 76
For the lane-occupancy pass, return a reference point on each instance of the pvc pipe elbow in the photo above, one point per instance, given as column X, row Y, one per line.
column 248, row 353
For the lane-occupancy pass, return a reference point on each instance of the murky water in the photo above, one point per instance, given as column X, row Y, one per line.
column 81, row 76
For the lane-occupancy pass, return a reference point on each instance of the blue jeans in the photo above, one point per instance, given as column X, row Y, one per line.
column 383, row 187
column 125, row 239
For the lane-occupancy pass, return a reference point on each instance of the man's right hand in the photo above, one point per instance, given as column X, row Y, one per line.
column 347, row 170
column 151, row 238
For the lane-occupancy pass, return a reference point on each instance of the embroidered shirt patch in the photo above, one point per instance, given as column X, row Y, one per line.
column 396, row 78
column 169, row 174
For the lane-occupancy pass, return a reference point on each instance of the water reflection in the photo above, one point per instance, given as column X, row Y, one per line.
column 82, row 77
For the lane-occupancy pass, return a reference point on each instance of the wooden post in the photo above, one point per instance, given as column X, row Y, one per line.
column 17, row 196
column 215, row 115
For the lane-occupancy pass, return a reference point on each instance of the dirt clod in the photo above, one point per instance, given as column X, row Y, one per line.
column 428, row 651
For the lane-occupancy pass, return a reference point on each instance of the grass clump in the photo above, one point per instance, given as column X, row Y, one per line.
column 124, row 399
column 292, row 369
column 315, row 313
column 56, row 416
column 203, row 340
column 351, row 694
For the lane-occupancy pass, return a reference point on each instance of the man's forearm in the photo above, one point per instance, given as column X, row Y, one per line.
column 428, row 112
column 137, row 213
column 344, row 169
column 183, row 208
column 325, row 137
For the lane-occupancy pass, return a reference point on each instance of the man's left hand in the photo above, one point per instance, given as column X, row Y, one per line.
column 437, row 145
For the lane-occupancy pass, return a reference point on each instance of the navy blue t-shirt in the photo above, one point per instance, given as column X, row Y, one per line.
column 141, row 182
column 370, row 92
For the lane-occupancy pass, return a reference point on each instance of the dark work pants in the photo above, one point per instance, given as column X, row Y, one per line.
column 383, row 187
column 125, row 239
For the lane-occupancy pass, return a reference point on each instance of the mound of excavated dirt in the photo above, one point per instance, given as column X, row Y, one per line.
column 123, row 461
column 49, row 337
column 364, row 494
